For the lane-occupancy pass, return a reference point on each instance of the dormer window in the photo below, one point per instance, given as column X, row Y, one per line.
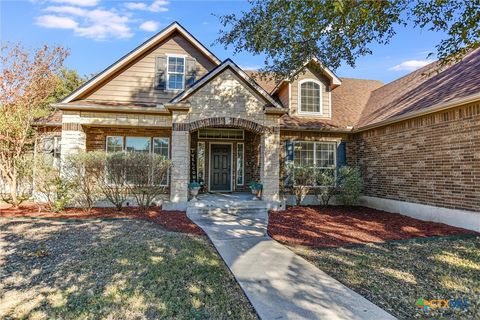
column 175, row 73
column 310, row 97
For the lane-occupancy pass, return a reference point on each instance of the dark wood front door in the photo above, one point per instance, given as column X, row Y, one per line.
column 220, row 167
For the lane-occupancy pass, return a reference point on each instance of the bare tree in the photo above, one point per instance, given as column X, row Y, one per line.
column 27, row 79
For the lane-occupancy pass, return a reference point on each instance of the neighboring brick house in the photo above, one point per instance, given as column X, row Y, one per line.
column 417, row 139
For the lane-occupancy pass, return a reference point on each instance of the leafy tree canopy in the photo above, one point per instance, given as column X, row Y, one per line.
column 290, row 32
column 67, row 81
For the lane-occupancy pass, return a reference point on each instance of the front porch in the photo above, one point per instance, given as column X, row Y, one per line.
column 224, row 155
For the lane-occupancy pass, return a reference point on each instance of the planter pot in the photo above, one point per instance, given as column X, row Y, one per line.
column 256, row 192
column 194, row 193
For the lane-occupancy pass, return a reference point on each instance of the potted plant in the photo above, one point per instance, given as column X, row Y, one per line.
column 256, row 188
column 194, row 187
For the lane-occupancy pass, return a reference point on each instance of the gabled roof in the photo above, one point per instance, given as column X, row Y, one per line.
column 211, row 75
column 426, row 89
column 329, row 73
column 348, row 102
column 132, row 55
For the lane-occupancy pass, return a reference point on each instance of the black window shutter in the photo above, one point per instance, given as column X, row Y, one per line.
column 161, row 73
column 341, row 155
column 190, row 71
column 288, row 151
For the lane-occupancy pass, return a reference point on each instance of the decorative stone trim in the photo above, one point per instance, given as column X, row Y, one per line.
column 221, row 122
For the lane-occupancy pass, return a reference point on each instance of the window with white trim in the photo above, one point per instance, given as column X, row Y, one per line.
column 157, row 145
column 320, row 155
column 240, row 155
column 114, row 144
column 310, row 97
column 175, row 73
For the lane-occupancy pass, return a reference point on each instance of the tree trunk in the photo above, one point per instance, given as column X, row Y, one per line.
column 13, row 191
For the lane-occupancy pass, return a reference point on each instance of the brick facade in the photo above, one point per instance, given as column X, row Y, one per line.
column 433, row 160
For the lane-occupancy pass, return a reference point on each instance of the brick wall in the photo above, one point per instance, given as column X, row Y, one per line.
column 433, row 160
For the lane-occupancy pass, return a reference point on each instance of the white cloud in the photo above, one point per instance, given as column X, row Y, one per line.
column 81, row 3
column 67, row 10
column 410, row 65
column 150, row 26
column 97, row 24
column 155, row 6
column 56, row 22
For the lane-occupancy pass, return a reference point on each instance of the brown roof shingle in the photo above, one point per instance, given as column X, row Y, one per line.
column 267, row 82
column 422, row 89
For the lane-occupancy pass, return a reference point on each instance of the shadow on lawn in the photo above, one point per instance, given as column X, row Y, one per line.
column 116, row 269
column 395, row 275
column 336, row 226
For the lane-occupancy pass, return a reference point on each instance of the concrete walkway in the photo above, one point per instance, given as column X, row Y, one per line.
column 279, row 283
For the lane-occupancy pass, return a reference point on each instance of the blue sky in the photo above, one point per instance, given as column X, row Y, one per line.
column 98, row 32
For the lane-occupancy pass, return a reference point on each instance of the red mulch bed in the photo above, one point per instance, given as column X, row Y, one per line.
column 337, row 226
column 170, row 220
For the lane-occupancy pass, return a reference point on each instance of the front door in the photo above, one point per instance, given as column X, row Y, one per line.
column 220, row 160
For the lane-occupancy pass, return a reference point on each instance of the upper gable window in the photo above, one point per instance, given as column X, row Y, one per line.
column 310, row 97
column 175, row 73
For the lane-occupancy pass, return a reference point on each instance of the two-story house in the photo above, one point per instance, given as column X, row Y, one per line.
column 416, row 139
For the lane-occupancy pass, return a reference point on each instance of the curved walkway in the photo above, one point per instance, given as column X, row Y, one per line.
column 278, row 283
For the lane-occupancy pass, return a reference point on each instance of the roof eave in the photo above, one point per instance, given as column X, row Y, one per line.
column 123, row 109
column 414, row 114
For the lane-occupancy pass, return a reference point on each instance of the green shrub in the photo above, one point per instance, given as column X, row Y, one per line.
column 326, row 185
column 81, row 171
column 349, row 185
column 303, row 179
column 144, row 175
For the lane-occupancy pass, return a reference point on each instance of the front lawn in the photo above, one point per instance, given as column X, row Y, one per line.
column 395, row 275
column 122, row 269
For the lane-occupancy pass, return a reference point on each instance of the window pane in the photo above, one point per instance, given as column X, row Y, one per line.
column 175, row 81
column 240, row 164
column 325, row 155
column 137, row 144
column 303, row 153
column 114, row 144
column 310, row 97
column 160, row 146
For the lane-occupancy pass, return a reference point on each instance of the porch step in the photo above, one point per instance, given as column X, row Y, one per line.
column 232, row 207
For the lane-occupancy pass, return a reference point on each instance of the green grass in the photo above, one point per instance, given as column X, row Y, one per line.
column 395, row 275
column 118, row 270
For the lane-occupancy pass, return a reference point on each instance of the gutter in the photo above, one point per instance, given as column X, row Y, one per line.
column 124, row 109
column 414, row 114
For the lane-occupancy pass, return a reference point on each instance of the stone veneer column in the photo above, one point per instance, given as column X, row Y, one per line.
column 179, row 175
column 74, row 138
column 270, row 163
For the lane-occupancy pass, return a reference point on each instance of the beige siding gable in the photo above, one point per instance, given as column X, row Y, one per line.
column 227, row 95
column 310, row 74
column 136, row 82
